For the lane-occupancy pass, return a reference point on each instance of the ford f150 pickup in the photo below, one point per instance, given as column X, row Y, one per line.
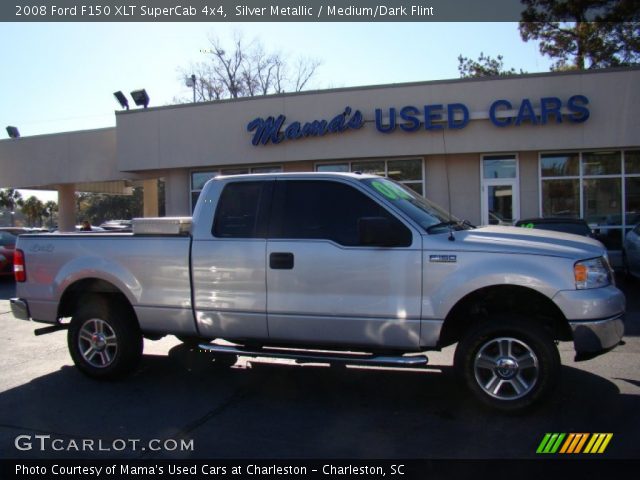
column 335, row 267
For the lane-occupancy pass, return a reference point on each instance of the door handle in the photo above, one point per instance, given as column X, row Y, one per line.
column 281, row 261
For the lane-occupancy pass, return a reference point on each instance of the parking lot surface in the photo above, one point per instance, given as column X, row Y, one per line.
column 267, row 409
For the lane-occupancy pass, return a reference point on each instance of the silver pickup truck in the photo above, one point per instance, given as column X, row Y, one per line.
column 327, row 267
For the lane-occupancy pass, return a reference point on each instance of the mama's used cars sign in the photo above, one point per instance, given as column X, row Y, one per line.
column 434, row 117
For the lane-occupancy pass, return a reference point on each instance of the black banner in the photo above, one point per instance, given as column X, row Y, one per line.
column 494, row 469
column 275, row 10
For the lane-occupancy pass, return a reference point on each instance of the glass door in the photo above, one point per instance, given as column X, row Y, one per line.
column 500, row 200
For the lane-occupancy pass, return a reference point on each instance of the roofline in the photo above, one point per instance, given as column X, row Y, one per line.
column 383, row 86
column 354, row 175
column 70, row 132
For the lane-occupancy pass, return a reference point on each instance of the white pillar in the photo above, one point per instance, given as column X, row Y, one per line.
column 177, row 193
column 150, row 198
column 67, row 207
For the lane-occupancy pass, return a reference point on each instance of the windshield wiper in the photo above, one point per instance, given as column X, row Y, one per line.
column 462, row 225
column 450, row 224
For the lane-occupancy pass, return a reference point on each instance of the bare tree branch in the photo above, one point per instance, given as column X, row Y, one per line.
column 247, row 69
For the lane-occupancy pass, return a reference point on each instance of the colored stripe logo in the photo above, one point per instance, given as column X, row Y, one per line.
column 574, row 443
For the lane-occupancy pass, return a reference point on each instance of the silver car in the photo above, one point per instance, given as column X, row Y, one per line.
column 631, row 252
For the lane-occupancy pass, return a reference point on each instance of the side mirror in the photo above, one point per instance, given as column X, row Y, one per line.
column 382, row 232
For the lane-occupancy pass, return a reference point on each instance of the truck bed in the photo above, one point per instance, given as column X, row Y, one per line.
column 153, row 269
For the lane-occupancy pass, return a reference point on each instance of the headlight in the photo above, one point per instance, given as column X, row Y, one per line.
column 594, row 273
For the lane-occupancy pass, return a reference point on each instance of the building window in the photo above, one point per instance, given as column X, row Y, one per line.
column 409, row 171
column 603, row 187
column 199, row 178
column 500, row 201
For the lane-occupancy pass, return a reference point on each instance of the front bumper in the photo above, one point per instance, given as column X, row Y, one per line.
column 20, row 309
column 591, row 338
column 596, row 318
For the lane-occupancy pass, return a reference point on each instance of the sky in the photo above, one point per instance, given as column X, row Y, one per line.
column 59, row 77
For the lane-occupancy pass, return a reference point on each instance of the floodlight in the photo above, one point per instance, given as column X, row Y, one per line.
column 13, row 132
column 140, row 97
column 124, row 103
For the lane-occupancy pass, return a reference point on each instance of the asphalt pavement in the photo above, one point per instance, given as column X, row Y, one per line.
column 179, row 405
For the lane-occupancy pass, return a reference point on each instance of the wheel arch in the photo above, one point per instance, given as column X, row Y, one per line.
column 72, row 295
column 487, row 302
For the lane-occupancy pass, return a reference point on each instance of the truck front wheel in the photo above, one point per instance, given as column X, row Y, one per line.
column 509, row 365
column 104, row 339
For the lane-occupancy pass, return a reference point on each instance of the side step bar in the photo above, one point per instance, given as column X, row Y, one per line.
column 312, row 356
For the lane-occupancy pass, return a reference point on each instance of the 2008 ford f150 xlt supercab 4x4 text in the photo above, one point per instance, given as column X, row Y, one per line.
column 337, row 267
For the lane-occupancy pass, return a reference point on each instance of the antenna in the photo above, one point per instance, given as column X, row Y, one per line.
column 446, row 170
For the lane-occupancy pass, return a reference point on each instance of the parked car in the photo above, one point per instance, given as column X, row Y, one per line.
column 317, row 266
column 7, row 246
column 15, row 230
column 21, row 230
column 631, row 252
column 117, row 226
column 576, row 226
column 80, row 228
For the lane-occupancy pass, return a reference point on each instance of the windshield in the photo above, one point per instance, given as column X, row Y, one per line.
column 431, row 217
column 7, row 240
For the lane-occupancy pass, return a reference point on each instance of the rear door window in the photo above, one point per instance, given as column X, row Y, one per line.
column 243, row 210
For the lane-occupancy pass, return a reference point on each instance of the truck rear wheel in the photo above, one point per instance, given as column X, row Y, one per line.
column 508, row 365
column 104, row 339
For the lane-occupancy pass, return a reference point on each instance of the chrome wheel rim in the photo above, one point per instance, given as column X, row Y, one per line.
column 506, row 368
column 97, row 343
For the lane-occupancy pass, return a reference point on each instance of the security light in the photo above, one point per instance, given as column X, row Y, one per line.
column 124, row 103
column 191, row 82
column 13, row 132
column 140, row 97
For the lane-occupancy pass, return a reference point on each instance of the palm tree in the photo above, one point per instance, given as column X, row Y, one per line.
column 50, row 208
column 10, row 199
column 33, row 209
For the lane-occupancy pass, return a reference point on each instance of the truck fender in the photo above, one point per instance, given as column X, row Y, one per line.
column 94, row 267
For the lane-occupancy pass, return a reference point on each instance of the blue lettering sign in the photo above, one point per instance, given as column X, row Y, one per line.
column 317, row 128
column 432, row 113
column 500, row 122
column 502, row 113
column 292, row 132
column 550, row 106
column 408, row 114
column 392, row 121
column 576, row 105
column 269, row 130
column 526, row 113
column 454, row 108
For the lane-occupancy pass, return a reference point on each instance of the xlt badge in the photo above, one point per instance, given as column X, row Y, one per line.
column 443, row 258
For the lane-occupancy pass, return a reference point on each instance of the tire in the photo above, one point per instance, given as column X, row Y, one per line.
column 508, row 365
column 104, row 338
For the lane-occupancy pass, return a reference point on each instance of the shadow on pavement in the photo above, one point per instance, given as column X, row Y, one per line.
column 269, row 410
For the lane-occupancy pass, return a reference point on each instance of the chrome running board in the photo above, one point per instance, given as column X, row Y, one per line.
column 313, row 356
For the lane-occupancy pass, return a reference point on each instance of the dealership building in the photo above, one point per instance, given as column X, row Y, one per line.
column 491, row 150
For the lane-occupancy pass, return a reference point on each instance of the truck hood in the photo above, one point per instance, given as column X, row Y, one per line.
column 516, row 240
